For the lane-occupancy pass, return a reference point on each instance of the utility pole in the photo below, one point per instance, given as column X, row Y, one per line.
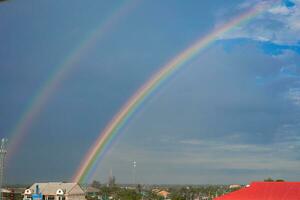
column 134, row 172
column 3, row 152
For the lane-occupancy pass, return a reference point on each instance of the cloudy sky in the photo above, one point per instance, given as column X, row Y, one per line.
column 230, row 115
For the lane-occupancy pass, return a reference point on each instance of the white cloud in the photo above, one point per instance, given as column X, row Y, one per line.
column 222, row 146
column 192, row 142
column 257, row 162
column 278, row 24
column 294, row 95
column 282, row 10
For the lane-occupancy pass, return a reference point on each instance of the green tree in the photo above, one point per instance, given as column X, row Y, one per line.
column 269, row 180
column 128, row 194
column 96, row 184
column 139, row 188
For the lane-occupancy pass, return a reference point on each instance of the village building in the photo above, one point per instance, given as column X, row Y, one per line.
column 12, row 193
column 5, row 193
column 92, row 191
column 235, row 186
column 55, row 191
column 163, row 193
column 265, row 190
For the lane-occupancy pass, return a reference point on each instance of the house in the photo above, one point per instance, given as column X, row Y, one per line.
column 6, row 194
column 3, row 190
column 13, row 193
column 235, row 186
column 54, row 191
column 163, row 193
column 92, row 191
column 265, row 190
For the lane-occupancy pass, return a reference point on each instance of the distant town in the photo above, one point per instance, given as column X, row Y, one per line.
column 269, row 188
column 266, row 189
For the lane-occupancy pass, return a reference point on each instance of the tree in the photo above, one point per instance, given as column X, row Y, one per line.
column 139, row 188
column 152, row 196
column 128, row 194
column 96, row 184
column 269, row 180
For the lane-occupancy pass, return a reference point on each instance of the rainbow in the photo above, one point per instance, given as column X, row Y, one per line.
column 106, row 137
column 52, row 83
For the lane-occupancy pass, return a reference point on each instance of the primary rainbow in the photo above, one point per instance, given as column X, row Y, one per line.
column 106, row 137
column 51, row 84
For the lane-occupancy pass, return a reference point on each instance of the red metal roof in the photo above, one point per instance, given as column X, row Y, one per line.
column 266, row 191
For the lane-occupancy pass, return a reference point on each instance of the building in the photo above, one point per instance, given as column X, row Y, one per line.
column 265, row 190
column 13, row 193
column 5, row 194
column 92, row 191
column 161, row 193
column 55, row 191
column 235, row 186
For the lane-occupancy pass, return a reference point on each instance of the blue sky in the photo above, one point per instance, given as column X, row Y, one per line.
column 231, row 115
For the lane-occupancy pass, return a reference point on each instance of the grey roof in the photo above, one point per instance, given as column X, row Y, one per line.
column 51, row 187
column 17, row 190
column 91, row 189
column 3, row 190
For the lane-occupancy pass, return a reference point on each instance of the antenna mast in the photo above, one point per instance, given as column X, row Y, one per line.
column 3, row 152
column 134, row 172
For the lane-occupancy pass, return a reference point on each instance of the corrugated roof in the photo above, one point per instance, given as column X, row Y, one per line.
column 267, row 191
column 3, row 190
column 51, row 187
column 91, row 189
column 163, row 193
column 17, row 190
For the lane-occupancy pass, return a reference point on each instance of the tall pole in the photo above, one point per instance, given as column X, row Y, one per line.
column 3, row 152
column 134, row 172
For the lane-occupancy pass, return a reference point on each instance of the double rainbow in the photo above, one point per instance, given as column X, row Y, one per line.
column 106, row 137
column 38, row 102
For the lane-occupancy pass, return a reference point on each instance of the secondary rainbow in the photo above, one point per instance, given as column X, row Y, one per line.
column 97, row 151
column 37, row 103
